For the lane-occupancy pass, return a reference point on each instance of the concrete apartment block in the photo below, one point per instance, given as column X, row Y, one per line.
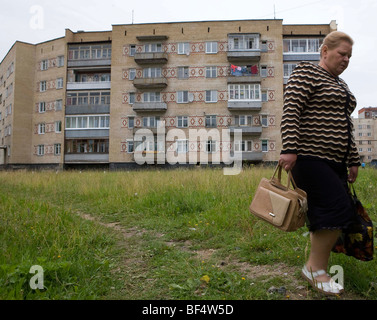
column 179, row 93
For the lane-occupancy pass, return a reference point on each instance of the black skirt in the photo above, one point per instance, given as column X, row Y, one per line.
column 329, row 202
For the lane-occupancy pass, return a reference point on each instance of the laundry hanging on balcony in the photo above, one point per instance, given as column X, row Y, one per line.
column 240, row 71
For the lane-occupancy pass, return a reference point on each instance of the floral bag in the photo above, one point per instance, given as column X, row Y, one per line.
column 357, row 239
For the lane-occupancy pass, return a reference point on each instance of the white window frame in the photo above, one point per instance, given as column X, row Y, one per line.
column 132, row 74
column 244, row 92
column 183, row 73
column 152, row 97
column 211, row 121
column 41, row 150
column 211, row 72
column 58, row 126
column 211, row 146
column 182, row 121
column 211, row 47
column 41, row 128
column 43, row 86
column 182, row 96
column 181, row 146
column 59, row 83
column 183, row 47
column 61, row 61
column 152, row 73
column 57, row 149
column 211, row 96
column 44, row 65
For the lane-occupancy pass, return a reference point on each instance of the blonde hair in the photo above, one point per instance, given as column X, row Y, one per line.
column 333, row 40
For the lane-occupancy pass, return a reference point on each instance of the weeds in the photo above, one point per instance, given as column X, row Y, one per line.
column 195, row 239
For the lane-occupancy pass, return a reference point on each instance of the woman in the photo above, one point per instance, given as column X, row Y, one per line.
column 319, row 147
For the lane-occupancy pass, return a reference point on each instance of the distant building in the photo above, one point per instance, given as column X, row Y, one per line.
column 83, row 99
column 366, row 134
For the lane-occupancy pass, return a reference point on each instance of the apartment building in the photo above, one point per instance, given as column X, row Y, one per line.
column 366, row 133
column 159, row 93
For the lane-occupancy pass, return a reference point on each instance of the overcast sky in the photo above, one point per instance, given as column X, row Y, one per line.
column 35, row 21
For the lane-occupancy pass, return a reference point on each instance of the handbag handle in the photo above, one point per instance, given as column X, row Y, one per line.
column 278, row 170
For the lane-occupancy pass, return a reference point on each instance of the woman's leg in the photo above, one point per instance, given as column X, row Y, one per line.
column 322, row 241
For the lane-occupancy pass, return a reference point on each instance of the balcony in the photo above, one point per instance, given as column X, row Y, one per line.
column 252, row 156
column 86, row 158
column 244, row 55
column 150, row 83
column 247, row 130
column 301, row 56
column 151, row 58
column 245, row 105
column 244, row 47
column 86, row 133
column 87, row 109
column 95, row 85
column 149, row 106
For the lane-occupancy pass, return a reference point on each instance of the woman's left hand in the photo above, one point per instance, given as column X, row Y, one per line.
column 352, row 174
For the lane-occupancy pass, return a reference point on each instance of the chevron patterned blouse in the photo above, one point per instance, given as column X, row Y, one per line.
column 317, row 116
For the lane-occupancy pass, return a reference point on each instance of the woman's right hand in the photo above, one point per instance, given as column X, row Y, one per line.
column 288, row 161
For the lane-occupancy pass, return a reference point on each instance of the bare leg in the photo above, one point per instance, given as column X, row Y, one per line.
column 322, row 241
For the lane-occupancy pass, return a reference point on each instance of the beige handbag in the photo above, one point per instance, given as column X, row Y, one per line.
column 282, row 206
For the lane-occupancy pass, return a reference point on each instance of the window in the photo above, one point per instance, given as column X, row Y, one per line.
column 42, row 86
column 183, row 72
column 86, row 98
column 182, row 96
column 132, row 50
column 41, row 128
column 211, row 96
column 211, row 146
column 153, row 47
column 59, row 83
column 58, row 126
column 211, row 122
column 264, row 145
column 264, row 121
column 183, row 48
column 211, row 72
column 244, row 92
column 132, row 98
column 132, row 74
column 152, row 73
column 131, row 122
column 150, row 122
column 243, row 145
column 182, row 146
column 61, row 61
column 44, row 65
column 263, row 71
column 243, row 42
column 58, row 105
column 182, row 121
column 288, row 69
column 57, row 149
column 130, row 146
column 87, row 146
column 211, row 47
column 152, row 97
column 41, row 150
column 301, row 45
column 87, row 122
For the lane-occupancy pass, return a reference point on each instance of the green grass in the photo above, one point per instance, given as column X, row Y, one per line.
column 156, row 234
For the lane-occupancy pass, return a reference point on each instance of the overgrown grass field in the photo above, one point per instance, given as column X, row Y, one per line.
column 157, row 234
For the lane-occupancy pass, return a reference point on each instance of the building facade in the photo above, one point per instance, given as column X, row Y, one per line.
column 160, row 93
column 366, row 133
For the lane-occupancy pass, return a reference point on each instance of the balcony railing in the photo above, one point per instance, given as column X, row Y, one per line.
column 244, row 105
column 95, row 85
column 149, row 106
column 150, row 83
column 151, row 58
column 247, row 130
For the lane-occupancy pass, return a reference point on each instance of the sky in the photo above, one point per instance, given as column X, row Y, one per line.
column 36, row 21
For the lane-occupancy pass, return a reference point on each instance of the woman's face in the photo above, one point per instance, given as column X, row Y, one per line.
column 336, row 60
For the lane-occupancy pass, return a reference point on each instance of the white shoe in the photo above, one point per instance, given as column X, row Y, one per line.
column 327, row 288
